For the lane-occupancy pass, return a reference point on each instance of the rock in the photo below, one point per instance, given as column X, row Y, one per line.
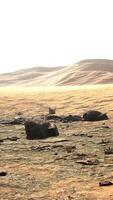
column 54, row 117
column 52, row 130
column 71, row 118
column 90, row 136
column 107, row 127
column 105, row 183
column 46, row 147
column 64, row 119
column 14, row 138
column 1, row 140
column 19, row 113
column 3, row 173
column 93, row 115
column 69, row 148
column 41, row 148
column 16, row 121
column 51, row 110
column 40, row 130
column 108, row 150
column 104, row 141
column 89, row 162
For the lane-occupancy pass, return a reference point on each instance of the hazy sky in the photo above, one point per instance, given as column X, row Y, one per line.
column 54, row 32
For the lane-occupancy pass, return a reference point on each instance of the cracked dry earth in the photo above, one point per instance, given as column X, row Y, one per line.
column 67, row 167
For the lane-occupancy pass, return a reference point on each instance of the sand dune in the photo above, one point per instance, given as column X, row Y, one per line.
column 93, row 71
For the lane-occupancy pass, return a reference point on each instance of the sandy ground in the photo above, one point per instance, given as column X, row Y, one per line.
column 55, row 168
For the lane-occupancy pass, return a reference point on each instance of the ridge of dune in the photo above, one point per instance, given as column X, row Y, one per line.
column 90, row 71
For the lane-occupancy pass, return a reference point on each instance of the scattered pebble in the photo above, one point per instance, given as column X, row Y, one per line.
column 89, row 162
column 105, row 183
column 14, row 138
column 108, row 150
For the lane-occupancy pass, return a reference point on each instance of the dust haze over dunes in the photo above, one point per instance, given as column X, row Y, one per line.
column 92, row 71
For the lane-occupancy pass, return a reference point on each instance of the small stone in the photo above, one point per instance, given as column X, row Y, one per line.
column 51, row 110
column 55, row 153
column 108, row 150
column 3, row 173
column 105, row 183
column 53, row 117
column 106, row 127
column 71, row 118
column 104, row 141
column 14, row 138
column 19, row 113
column 90, row 136
column 88, row 162
column 69, row 148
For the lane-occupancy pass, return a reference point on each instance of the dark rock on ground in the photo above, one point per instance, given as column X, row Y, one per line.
column 18, row 120
column 40, row 130
column 71, row 118
column 104, row 141
column 54, row 117
column 108, row 150
column 89, row 162
column 6, row 121
column 56, row 153
column 105, row 183
column 64, row 119
column 107, row 127
column 14, row 138
column 3, row 173
column 41, row 148
column 90, row 136
column 93, row 115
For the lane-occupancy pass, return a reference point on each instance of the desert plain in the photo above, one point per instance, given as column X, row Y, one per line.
column 66, row 167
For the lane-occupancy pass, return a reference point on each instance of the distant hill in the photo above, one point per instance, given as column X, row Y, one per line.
column 92, row 71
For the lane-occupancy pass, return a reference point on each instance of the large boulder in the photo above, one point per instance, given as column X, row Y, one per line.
column 93, row 115
column 40, row 130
